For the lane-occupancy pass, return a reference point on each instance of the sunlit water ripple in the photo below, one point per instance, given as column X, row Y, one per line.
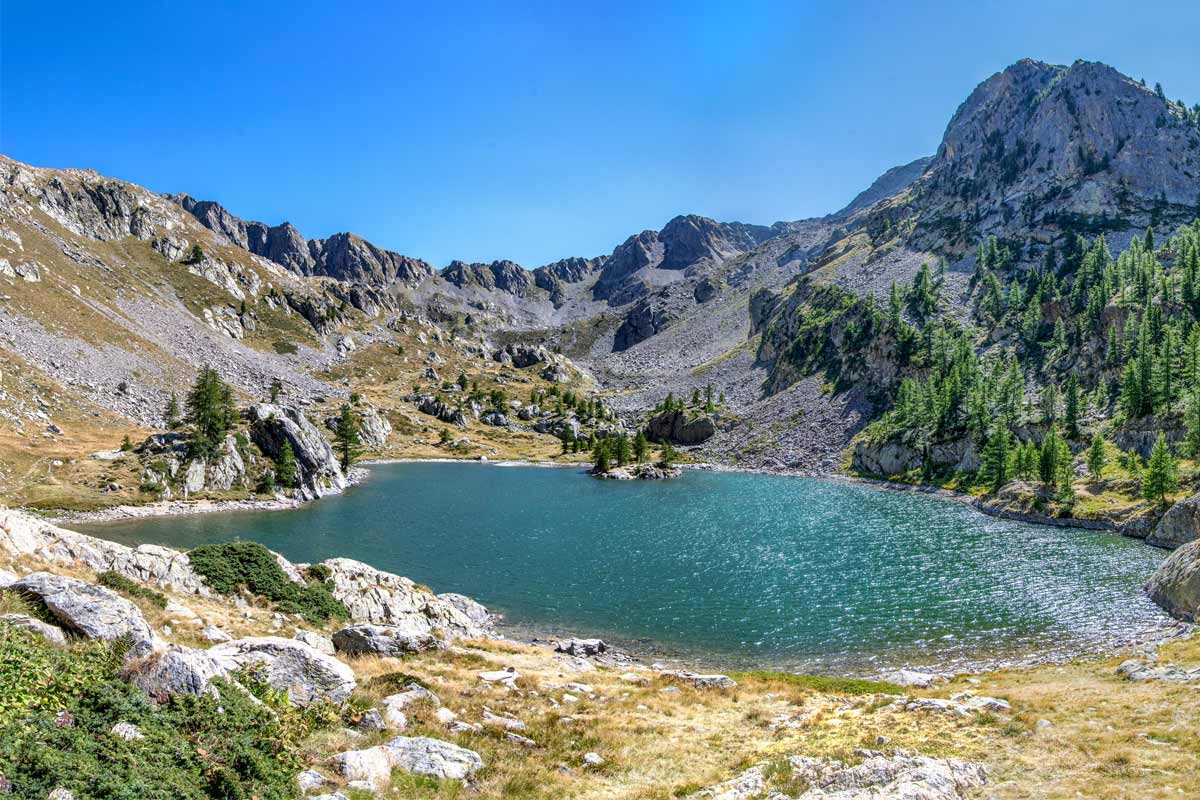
column 731, row 569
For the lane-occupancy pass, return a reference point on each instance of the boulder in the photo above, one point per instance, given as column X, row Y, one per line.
column 581, row 647
column 494, row 418
column 1180, row 525
column 1175, row 585
column 88, row 610
column 428, row 404
column 178, row 670
column 193, row 477
column 677, row 427
column 306, row 674
column 522, row 355
column 421, row 755
column 317, row 641
column 373, row 428
column 382, row 598
column 310, row 779
column 271, row 425
column 50, row 633
column 700, row 681
column 373, row 765
column 411, row 695
column 227, row 468
column 364, row 638
column 473, row 610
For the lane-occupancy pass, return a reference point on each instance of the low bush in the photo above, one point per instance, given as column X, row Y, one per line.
column 191, row 747
column 232, row 566
column 119, row 583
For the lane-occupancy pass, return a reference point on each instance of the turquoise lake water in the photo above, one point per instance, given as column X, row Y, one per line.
column 730, row 569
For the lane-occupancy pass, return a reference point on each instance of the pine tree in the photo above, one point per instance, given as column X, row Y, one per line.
column 210, row 411
column 172, row 412
column 286, row 474
column 1095, row 456
column 126, row 444
column 641, row 447
column 1191, row 444
column 996, row 459
column 601, row 462
column 1048, row 459
column 623, row 451
column 1161, row 476
column 666, row 455
column 346, row 437
column 276, row 389
column 1071, row 411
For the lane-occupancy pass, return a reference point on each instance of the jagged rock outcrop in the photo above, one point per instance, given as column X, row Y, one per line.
column 362, row 639
column 678, row 427
column 522, row 355
column 555, row 278
column 373, row 427
column 435, row 407
column 343, row 256
column 644, row 320
column 21, row 535
column 391, row 600
column 504, row 276
column 1175, row 585
column 305, row 673
column 682, row 243
column 1180, row 525
column 87, row 610
column 272, row 425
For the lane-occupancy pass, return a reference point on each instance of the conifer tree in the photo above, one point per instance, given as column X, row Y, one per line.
column 285, row 466
column 641, row 447
column 1095, row 456
column 601, row 461
column 210, row 411
column 346, row 437
column 1161, row 475
column 1071, row 409
column 996, row 458
column 172, row 412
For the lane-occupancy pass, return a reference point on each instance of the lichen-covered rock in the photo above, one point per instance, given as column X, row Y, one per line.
column 421, row 755
column 1175, row 585
column 88, row 610
column 21, row 535
column 382, row 598
column 415, row 636
column 177, row 670
column 714, row 681
column 373, row 427
column 373, row 765
column 306, row 674
column 227, row 469
column 475, row 611
column 317, row 641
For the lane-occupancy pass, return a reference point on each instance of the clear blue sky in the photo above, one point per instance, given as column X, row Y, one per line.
column 530, row 132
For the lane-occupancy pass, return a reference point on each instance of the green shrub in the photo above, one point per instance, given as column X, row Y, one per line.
column 119, row 583
column 192, row 747
column 37, row 677
column 235, row 565
column 284, row 347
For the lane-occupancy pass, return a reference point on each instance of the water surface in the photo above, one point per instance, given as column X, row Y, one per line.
column 732, row 569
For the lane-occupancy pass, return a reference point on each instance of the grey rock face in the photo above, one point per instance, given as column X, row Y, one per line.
column 88, row 610
column 421, row 755
column 473, row 610
column 502, row 275
column 306, row 674
column 522, row 355
column 428, row 404
column 1180, row 525
column 392, row 600
column 272, row 425
column 178, row 670
column 677, row 427
column 581, row 647
column 316, row 641
column 227, row 469
column 1175, row 585
column 374, row 428
column 386, row 640
column 645, row 320
column 494, row 418
column 50, row 633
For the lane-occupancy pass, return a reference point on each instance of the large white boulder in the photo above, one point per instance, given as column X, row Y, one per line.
column 88, row 610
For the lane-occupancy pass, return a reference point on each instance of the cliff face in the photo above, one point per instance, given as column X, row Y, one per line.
column 1038, row 152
